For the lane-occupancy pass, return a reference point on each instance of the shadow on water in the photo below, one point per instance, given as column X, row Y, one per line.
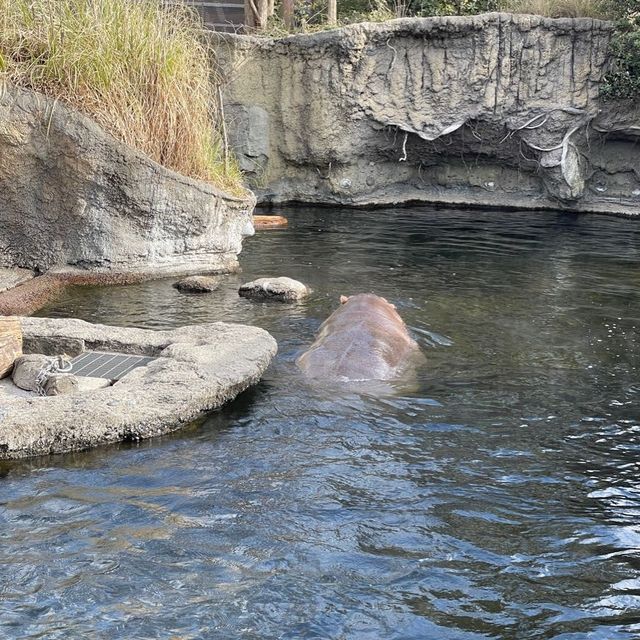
column 496, row 499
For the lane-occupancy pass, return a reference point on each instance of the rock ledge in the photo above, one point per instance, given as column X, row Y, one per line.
column 198, row 368
column 74, row 197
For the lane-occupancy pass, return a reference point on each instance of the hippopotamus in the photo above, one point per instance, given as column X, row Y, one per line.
column 364, row 339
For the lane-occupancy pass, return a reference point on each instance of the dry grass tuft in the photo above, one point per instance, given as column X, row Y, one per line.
column 138, row 67
column 559, row 8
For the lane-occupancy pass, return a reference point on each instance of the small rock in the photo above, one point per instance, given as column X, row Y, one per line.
column 60, row 384
column 282, row 289
column 26, row 369
column 198, row 284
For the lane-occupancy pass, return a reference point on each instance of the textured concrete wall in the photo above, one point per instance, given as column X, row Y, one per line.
column 489, row 110
column 73, row 196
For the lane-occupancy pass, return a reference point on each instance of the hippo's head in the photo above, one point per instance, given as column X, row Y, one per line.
column 345, row 299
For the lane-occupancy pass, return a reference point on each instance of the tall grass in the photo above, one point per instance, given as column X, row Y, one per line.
column 138, row 67
column 560, row 8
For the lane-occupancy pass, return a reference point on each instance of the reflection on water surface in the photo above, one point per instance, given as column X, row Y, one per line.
column 499, row 499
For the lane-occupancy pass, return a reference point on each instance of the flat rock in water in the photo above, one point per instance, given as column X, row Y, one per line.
column 282, row 289
column 10, row 343
column 198, row 284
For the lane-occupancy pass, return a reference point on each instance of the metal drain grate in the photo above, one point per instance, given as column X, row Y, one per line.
column 99, row 364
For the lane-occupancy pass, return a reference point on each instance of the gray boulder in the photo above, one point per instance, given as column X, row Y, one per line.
column 72, row 195
column 281, row 289
column 26, row 370
column 197, row 284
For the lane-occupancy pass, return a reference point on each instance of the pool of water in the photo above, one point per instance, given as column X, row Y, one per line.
column 497, row 497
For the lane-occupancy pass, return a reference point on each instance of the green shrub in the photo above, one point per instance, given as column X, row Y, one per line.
column 452, row 7
column 138, row 67
column 375, row 10
column 623, row 78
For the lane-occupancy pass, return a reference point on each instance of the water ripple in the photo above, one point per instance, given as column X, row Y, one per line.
column 494, row 497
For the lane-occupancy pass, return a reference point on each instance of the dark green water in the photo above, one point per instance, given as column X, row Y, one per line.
column 498, row 499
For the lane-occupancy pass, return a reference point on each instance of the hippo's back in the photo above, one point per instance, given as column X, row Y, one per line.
column 364, row 339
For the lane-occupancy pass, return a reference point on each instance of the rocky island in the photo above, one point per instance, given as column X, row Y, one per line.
column 190, row 371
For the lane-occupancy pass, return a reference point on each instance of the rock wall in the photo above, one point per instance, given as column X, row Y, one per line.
column 71, row 196
column 494, row 110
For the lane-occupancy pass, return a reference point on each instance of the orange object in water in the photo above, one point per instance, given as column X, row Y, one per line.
column 269, row 222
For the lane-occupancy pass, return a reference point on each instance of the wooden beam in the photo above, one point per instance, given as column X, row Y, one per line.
column 10, row 343
column 287, row 13
column 269, row 222
column 332, row 12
